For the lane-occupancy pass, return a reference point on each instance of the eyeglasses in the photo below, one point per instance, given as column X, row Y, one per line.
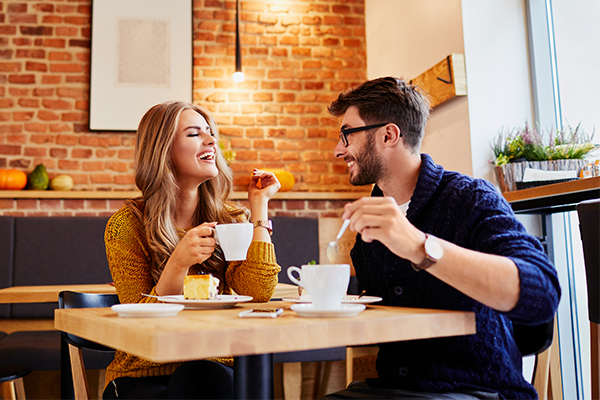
column 345, row 132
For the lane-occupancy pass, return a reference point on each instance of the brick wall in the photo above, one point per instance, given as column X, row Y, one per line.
column 297, row 56
column 107, row 206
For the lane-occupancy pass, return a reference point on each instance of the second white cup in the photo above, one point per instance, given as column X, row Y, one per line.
column 234, row 239
column 326, row 283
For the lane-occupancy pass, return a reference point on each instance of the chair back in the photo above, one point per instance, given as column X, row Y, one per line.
column 533, row 340
column 589, row 227
column 68, row 299
column 296, row 242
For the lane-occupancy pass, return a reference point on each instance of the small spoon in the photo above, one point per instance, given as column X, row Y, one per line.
column 332, row 247
column 159, row 297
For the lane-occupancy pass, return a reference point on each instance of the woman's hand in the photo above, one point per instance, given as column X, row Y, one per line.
column 269, row 185
column 196, row 246
column 259, row 200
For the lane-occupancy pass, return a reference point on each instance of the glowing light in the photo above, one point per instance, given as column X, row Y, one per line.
column 238, row 76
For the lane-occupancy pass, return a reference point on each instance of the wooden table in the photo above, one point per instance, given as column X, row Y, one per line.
column 198, row 334
column 49, row 293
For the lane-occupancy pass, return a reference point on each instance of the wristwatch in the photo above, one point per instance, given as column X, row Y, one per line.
column 433, row 252
column 268, row 225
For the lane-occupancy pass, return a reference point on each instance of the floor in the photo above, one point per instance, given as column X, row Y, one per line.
column 45, row 385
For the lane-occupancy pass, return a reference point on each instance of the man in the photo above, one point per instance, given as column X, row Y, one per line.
column 437, row 239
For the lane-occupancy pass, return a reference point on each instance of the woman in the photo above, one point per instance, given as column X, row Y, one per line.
column 155, row 240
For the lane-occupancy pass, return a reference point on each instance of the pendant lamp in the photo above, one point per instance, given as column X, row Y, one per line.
column 238, row 75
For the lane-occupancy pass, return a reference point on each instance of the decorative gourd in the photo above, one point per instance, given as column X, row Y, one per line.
column 12, row 179
column 284, row 177
column 61, row 182
column 38, row 179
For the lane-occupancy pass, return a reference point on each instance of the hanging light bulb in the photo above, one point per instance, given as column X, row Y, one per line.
column 238, row 75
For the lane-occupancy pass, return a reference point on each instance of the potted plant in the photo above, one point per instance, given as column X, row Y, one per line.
column 555, row 150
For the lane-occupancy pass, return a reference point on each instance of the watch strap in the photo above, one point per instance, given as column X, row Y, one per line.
column 268, row 225
column 428, row 261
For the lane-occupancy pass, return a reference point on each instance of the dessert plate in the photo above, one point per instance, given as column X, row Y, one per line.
column 354, row 299
column 347, row 310
column 147, row 310
column 222, row 301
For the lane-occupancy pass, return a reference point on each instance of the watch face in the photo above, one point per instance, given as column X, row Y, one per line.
column 433, row 248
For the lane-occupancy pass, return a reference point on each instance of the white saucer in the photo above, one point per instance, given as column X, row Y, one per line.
column 350, row 299
column 347, row 310
column 147, row 310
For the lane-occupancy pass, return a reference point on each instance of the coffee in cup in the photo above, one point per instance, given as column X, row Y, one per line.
column 326, row 283
column 234, row 239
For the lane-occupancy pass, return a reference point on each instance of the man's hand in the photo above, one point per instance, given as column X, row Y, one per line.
column 380, row 218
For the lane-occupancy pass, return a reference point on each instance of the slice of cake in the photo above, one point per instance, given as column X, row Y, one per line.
column 200, row 287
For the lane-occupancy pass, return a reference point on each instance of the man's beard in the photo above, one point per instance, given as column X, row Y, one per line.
column 369, row 165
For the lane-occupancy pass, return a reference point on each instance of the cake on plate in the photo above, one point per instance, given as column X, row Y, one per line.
column 200, row 287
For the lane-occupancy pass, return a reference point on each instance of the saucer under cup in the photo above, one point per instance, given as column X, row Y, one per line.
column 326, row 283
column 234, row 240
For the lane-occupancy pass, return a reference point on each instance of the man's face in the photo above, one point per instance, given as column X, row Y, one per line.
column 364, row 163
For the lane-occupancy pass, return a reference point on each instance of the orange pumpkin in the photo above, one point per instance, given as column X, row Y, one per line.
column 12, row 179
column 284, row 177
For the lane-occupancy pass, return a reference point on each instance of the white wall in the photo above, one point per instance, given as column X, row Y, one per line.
column 407, row 37
column 499, row 89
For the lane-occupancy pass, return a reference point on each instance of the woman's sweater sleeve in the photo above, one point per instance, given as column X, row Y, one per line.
column 257, row 275
column 129, row 257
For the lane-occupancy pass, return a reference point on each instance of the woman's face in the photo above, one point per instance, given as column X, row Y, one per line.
column 194, row 150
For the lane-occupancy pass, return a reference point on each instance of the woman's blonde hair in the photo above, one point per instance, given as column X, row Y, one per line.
column 155, row 178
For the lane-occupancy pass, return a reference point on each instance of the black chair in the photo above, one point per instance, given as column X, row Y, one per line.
column 68, row 299
column 11, row 378
column 589, row 227
column 536, row 340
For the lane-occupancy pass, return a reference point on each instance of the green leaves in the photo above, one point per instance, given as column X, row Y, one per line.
column 529, row 144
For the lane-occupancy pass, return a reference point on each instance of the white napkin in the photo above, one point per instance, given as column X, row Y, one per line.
column 532, row 175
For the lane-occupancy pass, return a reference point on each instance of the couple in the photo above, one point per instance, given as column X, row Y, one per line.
column 426, row 238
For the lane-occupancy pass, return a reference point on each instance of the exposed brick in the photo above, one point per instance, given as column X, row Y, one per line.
column 297, row 57
column 79, row 43
column 16, row 8
column 23, row 19
column 36, row 30
column 21, row 79
column 10, row 67
column 35, row 152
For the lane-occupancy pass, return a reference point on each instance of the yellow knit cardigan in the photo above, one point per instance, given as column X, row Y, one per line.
column 129, row 258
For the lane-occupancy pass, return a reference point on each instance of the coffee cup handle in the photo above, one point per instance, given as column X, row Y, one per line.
column 291, row 276
column 215, row 236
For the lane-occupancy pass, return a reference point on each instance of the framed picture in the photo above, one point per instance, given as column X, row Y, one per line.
column 141, row 55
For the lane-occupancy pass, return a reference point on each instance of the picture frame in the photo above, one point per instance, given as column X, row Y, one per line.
column 141, row 55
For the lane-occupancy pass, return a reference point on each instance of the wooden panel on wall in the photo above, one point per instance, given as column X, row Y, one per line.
column 445, row 80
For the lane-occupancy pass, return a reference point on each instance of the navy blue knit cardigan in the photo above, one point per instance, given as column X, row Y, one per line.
column 472, row 214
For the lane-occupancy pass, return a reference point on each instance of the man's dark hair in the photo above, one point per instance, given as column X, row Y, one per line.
column 388, row 99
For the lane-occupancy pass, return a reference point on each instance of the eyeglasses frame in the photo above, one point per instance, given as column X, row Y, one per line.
column 345, row 132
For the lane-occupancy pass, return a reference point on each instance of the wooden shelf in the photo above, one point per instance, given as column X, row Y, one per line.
column 57, row 194
column 445, row 80
column 554, row 198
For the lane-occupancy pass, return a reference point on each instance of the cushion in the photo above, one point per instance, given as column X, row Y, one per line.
column 7, row 229
column 296, row 241
column 57, row 250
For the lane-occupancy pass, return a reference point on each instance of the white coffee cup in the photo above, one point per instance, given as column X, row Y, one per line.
column 326, row 283
column 234, row 239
